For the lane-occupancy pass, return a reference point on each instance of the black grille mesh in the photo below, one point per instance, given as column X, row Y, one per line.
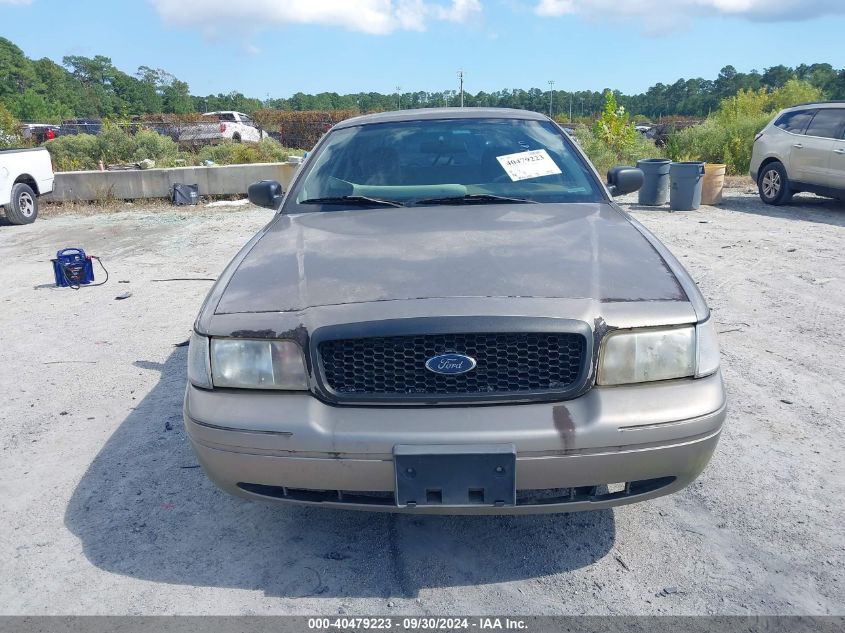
column 507, row 363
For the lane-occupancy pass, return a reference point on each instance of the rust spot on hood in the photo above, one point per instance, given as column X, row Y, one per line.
column 254, row 334
column 298, row 334
column 600, row 330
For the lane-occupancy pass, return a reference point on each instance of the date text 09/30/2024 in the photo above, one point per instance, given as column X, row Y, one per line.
column 417, row 624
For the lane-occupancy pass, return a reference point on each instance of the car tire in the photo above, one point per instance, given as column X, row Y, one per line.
column 236, row 138
column 773, row 184
column 23, row 208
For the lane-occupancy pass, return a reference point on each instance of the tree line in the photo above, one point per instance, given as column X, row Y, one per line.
column 92, row 87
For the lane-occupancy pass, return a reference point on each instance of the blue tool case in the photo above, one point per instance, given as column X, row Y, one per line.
column 73, row 268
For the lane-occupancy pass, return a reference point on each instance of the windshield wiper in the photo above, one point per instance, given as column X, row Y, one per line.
column 355, row 200
column 474, row 198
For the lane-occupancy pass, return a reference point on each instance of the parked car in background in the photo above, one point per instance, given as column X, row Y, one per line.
column 802, row 149
column 39, row 132
column 25, row 174
column 450, row 314
column 165, row 128
column 228, row 125
column 660, row 132
column 80, row 126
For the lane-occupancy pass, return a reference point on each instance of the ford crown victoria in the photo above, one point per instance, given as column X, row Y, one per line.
column 449, row 314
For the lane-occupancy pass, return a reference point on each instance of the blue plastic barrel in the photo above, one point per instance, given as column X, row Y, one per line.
column 655, row 189
column 685, row 187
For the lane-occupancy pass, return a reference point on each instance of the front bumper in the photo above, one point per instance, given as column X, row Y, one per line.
column 656, row 438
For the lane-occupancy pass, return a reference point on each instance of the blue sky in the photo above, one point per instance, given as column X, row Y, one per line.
column 279, row 47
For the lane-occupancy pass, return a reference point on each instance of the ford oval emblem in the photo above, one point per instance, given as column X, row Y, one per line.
column 450, row 364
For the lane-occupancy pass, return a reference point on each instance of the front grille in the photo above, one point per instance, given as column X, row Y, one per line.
column 507, row 363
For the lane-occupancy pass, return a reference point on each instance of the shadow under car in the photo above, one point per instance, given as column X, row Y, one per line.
column 145, row 509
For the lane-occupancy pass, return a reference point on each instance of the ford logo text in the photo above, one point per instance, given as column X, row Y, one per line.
column 450, row 364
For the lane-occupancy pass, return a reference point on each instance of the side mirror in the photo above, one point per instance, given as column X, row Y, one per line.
column 622, row 180
column 266, row 193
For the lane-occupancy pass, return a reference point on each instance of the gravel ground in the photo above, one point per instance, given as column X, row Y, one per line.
column 105, row 511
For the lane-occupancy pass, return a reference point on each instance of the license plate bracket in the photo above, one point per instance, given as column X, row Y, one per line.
column 455, row 475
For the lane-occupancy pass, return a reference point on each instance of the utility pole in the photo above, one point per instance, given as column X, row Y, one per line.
column 570, row 107
column 551, row 96
column 398, row 97
column 461, row 77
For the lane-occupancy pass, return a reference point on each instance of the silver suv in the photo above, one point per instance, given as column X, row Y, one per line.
column 802, row 149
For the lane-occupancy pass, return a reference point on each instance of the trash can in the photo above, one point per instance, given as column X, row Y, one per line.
column 655, row 189
column 713, row 183
column 685, row 185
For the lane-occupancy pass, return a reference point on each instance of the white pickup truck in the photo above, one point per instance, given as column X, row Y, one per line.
column 229, row 125
column 25, row 174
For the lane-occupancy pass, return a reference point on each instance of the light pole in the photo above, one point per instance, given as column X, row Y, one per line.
column 551, row 96
column 570, row 107
column 461, row 77
column 398, row 97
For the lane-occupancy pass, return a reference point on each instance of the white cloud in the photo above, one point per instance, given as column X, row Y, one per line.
column 664, row 13
column 368, row 16
column 460, row 11
column 555, row 7
column 16, row 2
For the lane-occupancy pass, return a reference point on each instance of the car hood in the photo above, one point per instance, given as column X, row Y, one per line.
column 520, row 250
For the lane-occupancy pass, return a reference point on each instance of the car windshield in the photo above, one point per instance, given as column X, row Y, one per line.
column 444, row 161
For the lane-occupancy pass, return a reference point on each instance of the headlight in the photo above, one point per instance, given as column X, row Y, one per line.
column 707, row 353
column 646, row 355
column 249, row 364
column 199, row 366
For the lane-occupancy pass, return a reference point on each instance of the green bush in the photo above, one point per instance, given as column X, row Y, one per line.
column 719, row 141
column 9, row 129
column 612, row 140
column 267, row 150
column 604, row 156
column 727, row 136
column 114, row 145
column 614, row 127
column 74, row 153
column 154, row 146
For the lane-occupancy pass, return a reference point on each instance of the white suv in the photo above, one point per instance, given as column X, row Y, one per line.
column 802, row 149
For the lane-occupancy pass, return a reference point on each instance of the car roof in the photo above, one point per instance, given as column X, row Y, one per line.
column 819, row 104
column 423, row 114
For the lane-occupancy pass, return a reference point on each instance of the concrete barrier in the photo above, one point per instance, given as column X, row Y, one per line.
column 157, row 183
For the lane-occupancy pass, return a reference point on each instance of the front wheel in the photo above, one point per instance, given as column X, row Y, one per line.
column 23, row 208
column 773, row 184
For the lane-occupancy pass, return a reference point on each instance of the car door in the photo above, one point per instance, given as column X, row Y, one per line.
column 820, row 140
column 5, row 184
column 837, row 159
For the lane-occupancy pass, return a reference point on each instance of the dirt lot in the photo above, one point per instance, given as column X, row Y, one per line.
column 105, row 511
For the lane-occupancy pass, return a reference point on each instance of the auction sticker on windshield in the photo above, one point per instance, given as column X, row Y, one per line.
column 525, row 165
